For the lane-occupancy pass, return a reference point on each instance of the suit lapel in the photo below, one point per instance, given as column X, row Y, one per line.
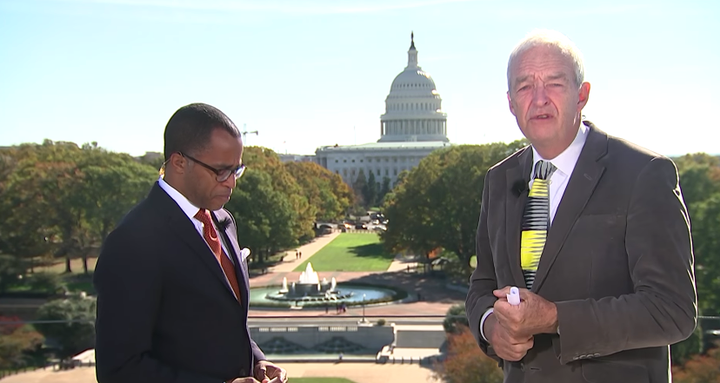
column 232, row 246
column 515, row 177
column 581, row 185
column 186, row 231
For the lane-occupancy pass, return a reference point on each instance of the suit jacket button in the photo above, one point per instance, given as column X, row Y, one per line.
column 242, row 373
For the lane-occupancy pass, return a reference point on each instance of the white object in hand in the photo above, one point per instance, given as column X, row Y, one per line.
column 514, row 296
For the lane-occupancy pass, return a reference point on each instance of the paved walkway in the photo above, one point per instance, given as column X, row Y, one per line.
column 290, row 262
column 403, row 262
column 357, row 372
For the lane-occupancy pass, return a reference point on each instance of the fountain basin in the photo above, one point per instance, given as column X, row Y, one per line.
column 348, row 293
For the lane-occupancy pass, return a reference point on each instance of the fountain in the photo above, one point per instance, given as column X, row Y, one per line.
column 309, row 288
column 309, row 285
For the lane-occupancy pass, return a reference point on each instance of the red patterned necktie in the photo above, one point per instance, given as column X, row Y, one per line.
column 211, row 237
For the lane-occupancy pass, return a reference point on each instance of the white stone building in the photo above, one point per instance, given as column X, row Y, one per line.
column 413, row 126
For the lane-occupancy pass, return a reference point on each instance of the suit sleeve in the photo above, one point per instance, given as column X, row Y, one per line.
column 258, row 355
column 128, row 279
column 482, row 281
column 662, row 310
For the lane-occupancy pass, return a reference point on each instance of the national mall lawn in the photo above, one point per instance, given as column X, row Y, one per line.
column 351, row 252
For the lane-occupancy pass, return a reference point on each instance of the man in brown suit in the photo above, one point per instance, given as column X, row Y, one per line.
column 592, row 229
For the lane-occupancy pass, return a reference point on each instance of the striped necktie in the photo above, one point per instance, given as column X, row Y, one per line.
column 535, row 221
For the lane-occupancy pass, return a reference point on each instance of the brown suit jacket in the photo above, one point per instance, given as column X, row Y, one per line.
column 618, row 263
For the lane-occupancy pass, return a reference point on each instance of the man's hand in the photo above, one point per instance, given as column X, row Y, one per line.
column 267, row 372
column 534, row 315
column 505, row 345
column 245, row 380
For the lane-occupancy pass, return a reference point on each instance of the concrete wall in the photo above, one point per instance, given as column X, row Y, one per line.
column 373, row 338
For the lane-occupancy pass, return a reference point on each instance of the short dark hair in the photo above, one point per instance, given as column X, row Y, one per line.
column 190, row 127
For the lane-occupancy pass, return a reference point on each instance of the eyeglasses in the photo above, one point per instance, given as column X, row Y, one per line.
column 221, row 174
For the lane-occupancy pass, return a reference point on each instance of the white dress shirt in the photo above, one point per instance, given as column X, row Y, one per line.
column 565, row 164
column 190, row 210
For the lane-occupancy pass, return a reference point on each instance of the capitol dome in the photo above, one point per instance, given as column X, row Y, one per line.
column 413, row 108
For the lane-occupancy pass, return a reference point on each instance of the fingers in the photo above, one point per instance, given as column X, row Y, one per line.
column 516, row 352
column 502, row 293
column 245, row 380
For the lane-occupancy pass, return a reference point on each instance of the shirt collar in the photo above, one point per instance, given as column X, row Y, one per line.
column 565, row 161
column 187, row 207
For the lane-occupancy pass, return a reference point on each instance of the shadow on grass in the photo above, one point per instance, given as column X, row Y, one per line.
column 374, row 250
column 80, row 282
column 431, row 287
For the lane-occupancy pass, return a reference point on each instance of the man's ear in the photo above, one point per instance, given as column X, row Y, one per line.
column 178, row 163
column 583, row 95
column 510, row 104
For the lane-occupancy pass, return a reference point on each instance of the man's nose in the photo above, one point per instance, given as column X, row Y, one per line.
column 230, row 181
column 540, row 96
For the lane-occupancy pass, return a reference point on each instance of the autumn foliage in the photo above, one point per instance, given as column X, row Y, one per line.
column 465, row 362
column 15, row 341
column 699, row 369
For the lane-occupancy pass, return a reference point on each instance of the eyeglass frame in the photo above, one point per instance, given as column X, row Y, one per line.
column 238, row 171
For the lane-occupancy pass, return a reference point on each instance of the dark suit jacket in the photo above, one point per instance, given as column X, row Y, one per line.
column 618, row 263
column 165, row 310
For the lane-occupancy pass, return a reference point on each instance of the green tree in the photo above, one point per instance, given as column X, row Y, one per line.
column 324, row 190
column 371, row 190
column 282, row 181
column 384, row 190
column 429, row 210
column 12, row 269
column 706, row 221
column 455, row 319
column 263, row 215
column 76, row 332
column 358, row 186
column 70, row 196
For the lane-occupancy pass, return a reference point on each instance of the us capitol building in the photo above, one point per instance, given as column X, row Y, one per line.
column 413, row 126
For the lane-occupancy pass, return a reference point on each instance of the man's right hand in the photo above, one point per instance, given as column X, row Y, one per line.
column 245, row 380
column 505, row 345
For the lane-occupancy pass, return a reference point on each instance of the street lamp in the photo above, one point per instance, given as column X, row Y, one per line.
column 363, row 306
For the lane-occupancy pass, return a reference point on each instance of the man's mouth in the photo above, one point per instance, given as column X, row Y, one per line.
column 542, row 117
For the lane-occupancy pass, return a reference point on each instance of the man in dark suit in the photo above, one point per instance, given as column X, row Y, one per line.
column 172, row 281
column 593, row 232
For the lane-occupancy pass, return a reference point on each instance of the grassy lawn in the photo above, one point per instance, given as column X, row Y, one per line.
column 351, row 252
column 320, row 380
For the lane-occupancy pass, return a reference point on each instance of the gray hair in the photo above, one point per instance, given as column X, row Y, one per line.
column 543, row 37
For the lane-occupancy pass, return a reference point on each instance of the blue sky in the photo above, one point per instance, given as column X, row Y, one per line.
column 310, row 73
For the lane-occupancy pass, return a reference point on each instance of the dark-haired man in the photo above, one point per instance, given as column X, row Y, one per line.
column 171, row 279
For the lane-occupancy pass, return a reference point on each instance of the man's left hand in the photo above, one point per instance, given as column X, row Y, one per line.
column 266, row 371
column 534, row 315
